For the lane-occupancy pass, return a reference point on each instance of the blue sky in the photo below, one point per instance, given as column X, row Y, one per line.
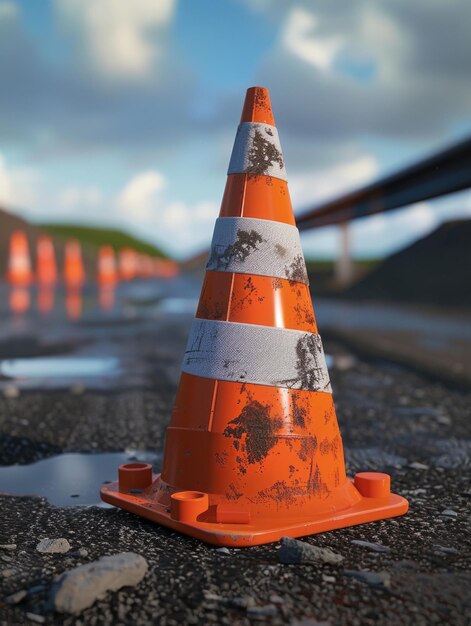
column 123, row 112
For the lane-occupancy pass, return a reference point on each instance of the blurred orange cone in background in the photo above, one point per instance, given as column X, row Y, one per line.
column 107, row 273
column 19, row 261
column 46, row 268
column 253, row 451
column 74, row 273
column 127, row 264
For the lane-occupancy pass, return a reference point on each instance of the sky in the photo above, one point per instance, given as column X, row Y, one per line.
column 123, row 112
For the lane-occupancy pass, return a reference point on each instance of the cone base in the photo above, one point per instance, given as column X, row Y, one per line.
column 257, row 531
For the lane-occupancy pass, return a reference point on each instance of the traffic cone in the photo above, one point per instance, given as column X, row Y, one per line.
column 46, row 268
column 74, row 273
column 107, row 274
column 19, row 262
column 253, row 451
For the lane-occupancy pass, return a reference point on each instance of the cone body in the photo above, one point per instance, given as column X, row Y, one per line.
column 74, row 273
column 19, row 261
column 253, row 450
column 46, row 261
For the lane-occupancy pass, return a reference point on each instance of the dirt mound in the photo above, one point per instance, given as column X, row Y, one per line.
column 434, row 270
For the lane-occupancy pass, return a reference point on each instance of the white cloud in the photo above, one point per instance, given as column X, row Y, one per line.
column 299, row 38
column 323, row 184
column 138, row 199
column 80, row 198
column 8, row 10
column 20, row 187
column 119, row 38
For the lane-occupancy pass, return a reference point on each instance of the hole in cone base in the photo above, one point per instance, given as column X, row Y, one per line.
column 134, row 476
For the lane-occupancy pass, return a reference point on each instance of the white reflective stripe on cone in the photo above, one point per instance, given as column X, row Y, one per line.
column 247, row 245
column 256, row 354
column 257, row 151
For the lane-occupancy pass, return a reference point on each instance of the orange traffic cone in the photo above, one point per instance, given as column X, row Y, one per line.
column 107, row 274
column 253, row 451
column 127, row 264
column 19, row 262
column 74, row 273
column 46, row 261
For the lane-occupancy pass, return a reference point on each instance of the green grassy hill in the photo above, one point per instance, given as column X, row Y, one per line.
column 98, row 236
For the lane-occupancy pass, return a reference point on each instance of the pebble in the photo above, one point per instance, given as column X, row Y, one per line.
column 6, row 573
column 77, row 389
column 268, row 610
column 80, row 587
column 34, row 617
column 294, row 551
column 8, row 546
column 223, row 550
column 374, row 579
column 449, row 513
column 276, row 599
column 53, row 546
column 10, row 392
column 418, row 466
column 17, row 597
column 375, row 547
column 445, row 549
column 328, row 579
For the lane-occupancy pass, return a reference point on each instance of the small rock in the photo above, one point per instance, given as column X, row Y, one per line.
column 243, row 602
column 8, row 546
column 276, row 599
column 17, row 597
column 375, row 547
column 80, row 587
column 449, row 513
column 53, row 546
column 82, row 552
column 223, row 550
column 10, row 392
column 209, row 595
column 328, row 579
column 33, row 617
column 418, row 466
column 344, row 362
column 309, row 621
column 374, row 579
column 445, row 550
column 77, row 389
column 268, row 610
column 294, row 551
column 6, row 573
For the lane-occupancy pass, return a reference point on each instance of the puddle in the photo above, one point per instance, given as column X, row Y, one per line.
column 70, row 479
column 59, row 371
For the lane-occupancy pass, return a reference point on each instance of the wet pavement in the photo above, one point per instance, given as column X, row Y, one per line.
column 68, row 436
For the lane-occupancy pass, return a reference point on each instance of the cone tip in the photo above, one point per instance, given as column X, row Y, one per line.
column 257, row 106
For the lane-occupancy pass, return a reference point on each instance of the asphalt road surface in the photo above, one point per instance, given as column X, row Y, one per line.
column 391, row 418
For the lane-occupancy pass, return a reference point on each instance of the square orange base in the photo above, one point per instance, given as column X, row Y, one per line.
column 258, row 531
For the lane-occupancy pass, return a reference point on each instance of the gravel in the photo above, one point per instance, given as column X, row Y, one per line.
column 189, row 582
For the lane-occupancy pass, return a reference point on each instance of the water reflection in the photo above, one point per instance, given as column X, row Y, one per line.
column 70, row 479
column 19, row 300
